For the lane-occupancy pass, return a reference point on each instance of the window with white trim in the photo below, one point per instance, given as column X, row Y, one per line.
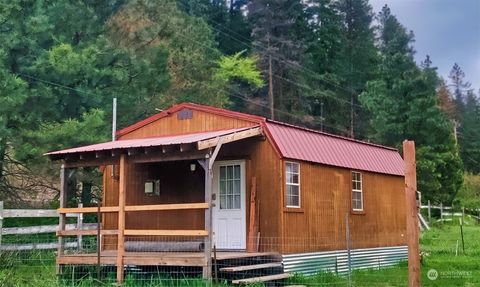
column 292, row 184
column 230, row 190
column 357, row 193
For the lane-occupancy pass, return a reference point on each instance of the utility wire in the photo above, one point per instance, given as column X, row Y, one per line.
column 322, row 93
column 315, row 92
column 310, row 72
column 229, row 91
column 236, row 95
column 246, row 99
column 55, row 84
column 316, row 75
column 276, row 57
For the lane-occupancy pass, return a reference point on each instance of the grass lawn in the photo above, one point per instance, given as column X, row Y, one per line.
column 439, row 249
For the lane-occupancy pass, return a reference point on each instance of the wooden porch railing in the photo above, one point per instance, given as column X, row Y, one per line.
column 133, row 208
column 122, row 209
column 131, row 232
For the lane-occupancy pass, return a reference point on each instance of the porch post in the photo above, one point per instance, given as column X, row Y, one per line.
column 207, row 270
column 62, row 216
column 121, row 218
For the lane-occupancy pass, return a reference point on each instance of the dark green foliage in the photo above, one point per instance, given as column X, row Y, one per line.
column 341, row 59
column 62, row 62
column 324, row 46
column 460, row 88
column 469, row 194
column 403, row 105
column 226, row 19
column 278, row 30
column 358, row 59
column 469, row 133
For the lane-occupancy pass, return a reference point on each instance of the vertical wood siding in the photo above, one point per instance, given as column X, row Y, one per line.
column 326, row 198
column 179, row 185
column 200, row 122
column 318, row 225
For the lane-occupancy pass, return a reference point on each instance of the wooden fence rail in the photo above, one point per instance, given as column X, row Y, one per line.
column 449, row 211
column 40, row 229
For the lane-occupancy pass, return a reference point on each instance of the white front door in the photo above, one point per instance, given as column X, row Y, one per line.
column 229, row 218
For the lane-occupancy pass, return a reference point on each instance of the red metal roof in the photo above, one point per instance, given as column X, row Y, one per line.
column 313, row 146
column 290, row 141
column 148, row 142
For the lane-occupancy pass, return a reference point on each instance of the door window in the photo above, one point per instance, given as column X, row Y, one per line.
column 229, row 184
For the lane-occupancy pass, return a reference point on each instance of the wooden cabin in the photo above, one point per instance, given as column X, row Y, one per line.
column 243, row 184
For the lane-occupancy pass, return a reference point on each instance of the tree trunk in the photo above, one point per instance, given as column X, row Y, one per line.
column 2, row 159
column 270, row 88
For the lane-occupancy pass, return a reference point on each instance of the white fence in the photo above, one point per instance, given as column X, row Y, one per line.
column 448, row 212
column 40, row 229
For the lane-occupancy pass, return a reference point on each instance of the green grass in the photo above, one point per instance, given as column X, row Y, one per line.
column 439, row 248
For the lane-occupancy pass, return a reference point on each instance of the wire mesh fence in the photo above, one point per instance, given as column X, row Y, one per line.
column 446, row 260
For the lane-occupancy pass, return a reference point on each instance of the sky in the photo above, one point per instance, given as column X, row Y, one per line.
column 447, row 30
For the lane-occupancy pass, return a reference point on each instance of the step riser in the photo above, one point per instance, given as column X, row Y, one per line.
column 263, row 279
column 251, row 267
column 264, row 268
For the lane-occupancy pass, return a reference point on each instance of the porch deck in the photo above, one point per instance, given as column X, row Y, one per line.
column 155, row 258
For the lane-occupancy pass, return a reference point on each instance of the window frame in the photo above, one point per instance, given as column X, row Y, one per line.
column 226, row 180
column 352, row 190
column 299, row 206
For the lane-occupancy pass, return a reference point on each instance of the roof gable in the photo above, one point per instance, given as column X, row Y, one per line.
column 176, row 108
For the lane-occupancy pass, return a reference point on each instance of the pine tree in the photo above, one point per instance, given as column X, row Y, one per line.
column 342, row 54
column 446, row 102
column 358, row 54
column 460, row 88
column 323, row 47
column 404, row 105
column 277, row 31
column 141, row 26
column 358, row 58
column 469, row 133
column 226, row 18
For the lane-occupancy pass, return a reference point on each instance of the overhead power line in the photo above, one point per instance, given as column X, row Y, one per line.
column 55, row 84
column 276, row 57
column 229, row 91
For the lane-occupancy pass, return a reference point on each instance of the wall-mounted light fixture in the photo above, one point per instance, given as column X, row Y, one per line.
column 152, row 187
column 193, row 167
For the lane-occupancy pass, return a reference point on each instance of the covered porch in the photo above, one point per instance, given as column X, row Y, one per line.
column 157, row 206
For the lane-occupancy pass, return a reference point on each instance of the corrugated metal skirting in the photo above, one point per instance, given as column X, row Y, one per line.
column 337, row 261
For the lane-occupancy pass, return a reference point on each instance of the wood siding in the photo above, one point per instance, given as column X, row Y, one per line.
column 325, row 194
column 326, row 200
column 179, row 185
column 200, row 122
column 262, row 162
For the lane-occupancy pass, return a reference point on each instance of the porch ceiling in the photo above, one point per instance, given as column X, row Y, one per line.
column 194, row 144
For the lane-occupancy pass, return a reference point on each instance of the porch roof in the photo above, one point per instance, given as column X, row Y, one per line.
column 202, row 141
